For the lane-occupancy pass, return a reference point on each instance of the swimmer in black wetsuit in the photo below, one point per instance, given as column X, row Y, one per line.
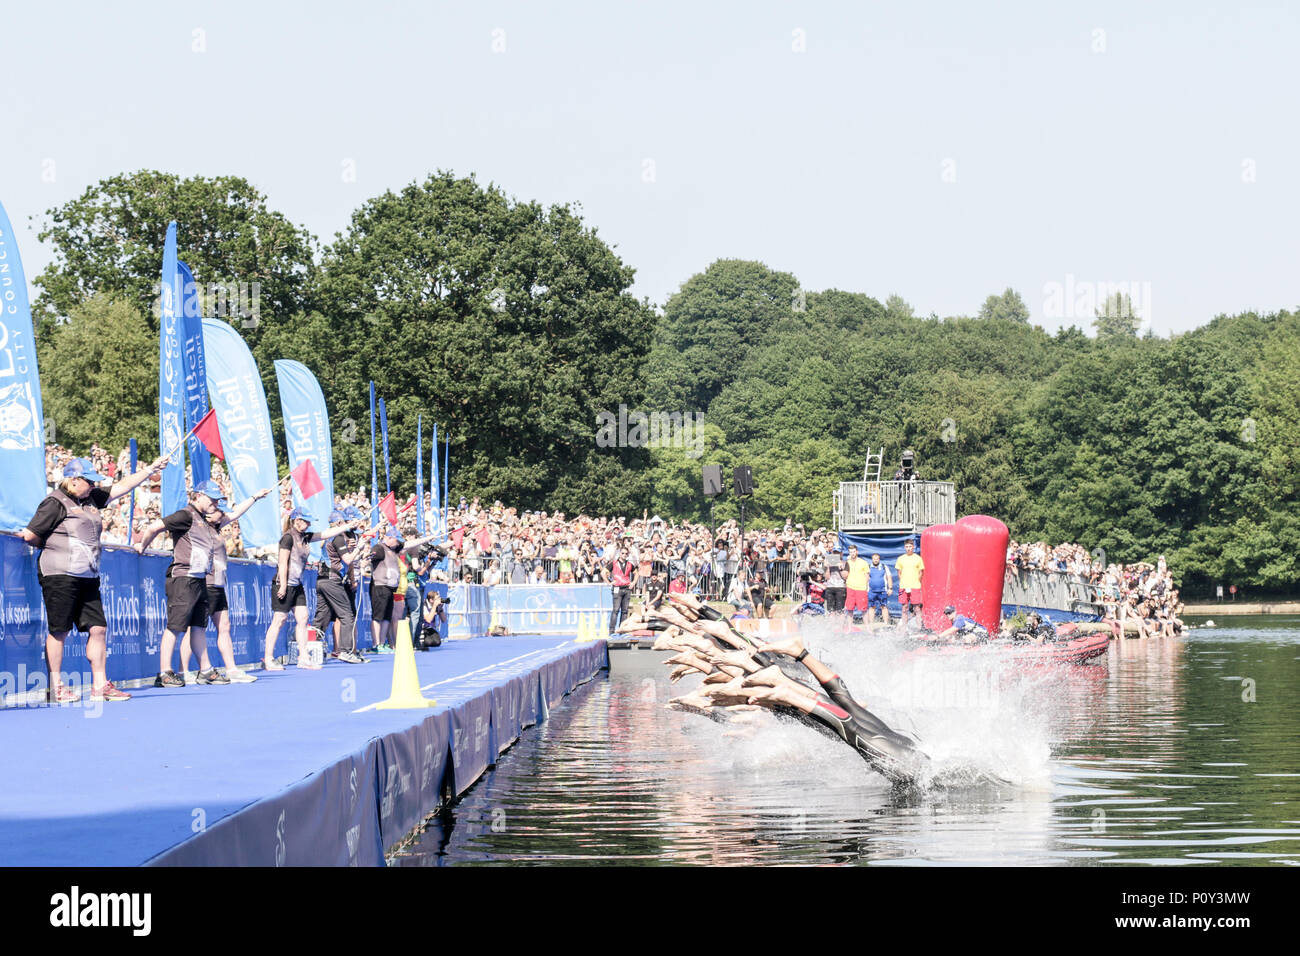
column 741, row 675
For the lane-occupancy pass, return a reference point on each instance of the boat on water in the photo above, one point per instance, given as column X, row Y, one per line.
column 1076, row 643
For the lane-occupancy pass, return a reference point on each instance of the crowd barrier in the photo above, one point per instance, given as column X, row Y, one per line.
column 548, row 608
column 468, row 611
column 711, row 580
column 1035, row 587
column 135, row 606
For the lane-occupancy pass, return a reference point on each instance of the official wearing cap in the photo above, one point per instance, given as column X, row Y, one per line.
column 336, row 587
column 197, row 570
column 287, row 594
column 387, row 576
column 66, row 528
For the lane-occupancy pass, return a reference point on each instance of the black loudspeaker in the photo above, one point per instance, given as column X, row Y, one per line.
column 712, row 481
column 743, row 480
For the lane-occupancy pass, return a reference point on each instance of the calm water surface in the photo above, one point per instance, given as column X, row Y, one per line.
column 1178, row 752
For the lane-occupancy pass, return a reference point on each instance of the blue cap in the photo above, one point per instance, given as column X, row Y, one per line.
column 297, row 513
column 337, row 517
column 213, row 491
column 83, row 468
column 350, row 513
column 392, row 532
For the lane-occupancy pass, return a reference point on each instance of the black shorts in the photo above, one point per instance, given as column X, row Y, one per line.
column 294, row 596
column 187, row 604
column 70, row 601
column 381, row 602
column 217, row 601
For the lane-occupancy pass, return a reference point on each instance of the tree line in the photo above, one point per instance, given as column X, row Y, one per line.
column 513, row 327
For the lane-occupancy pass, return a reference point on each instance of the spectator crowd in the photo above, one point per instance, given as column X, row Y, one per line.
column 1142, row 594
column 497, row 544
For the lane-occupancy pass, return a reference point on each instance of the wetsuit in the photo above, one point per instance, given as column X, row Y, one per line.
column 967, row 626
column 890, row 753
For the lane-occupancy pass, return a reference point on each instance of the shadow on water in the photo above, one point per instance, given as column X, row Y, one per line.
column 1170, row 752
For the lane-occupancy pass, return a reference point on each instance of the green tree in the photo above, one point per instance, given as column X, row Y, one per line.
column 99, row 376
column 898, row 307
column 508, row 324
column 110, row 239
column 1116, row 317
column 1008, row 305
column 718, row 315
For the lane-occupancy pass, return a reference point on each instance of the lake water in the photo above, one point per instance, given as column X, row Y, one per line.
column 1179, row 752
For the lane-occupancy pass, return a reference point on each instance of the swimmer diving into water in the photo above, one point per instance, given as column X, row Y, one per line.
column 740, row 676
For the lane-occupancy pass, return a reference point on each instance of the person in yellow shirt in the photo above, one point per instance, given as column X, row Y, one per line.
column 855, row 599
column 910, row 567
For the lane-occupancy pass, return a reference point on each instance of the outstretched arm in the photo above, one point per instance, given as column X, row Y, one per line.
column 131, row 482
column 416, row 542
column 339, row 529
column 793, row 647
column 150, row 533
column 242, row 508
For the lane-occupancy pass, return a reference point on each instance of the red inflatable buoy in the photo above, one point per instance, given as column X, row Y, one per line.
column 936, row 552
column 979, row 569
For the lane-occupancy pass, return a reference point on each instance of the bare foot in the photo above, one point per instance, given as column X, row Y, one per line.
column 738, row 660
column 790, row 647
column 767, row 677
column 691, row 702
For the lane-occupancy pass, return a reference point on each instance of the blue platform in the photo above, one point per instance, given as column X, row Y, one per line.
column 285, row 771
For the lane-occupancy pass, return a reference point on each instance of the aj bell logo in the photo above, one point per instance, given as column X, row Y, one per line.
column 102, row 909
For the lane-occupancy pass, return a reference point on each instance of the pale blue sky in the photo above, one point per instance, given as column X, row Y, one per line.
column 1119, row 165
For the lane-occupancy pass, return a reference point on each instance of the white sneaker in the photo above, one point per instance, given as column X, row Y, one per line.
column 272, row 665
column 239, row 676
column 190, row 677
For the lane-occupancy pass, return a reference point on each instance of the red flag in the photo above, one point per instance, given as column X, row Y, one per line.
column 388, row 507
column 484, row 539
column 309, row 482
column 207, row 432
column 457, row 537
column 408, row 506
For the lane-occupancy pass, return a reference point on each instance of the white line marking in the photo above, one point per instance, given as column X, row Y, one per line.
column 470, row 674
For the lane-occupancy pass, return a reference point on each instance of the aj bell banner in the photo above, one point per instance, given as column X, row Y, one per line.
column 22, row 423
column 245, row 426
column 196, row 378
column 171, row 379
column 307, row 435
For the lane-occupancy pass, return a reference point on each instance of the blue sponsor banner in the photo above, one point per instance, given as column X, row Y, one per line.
column 435, row 492
column 22, row 422
column 307, row 437
column 374, row 469
column 245, row 426
column 135, row 607
column 196, row 376
column 383, row 434
column 471, row 727
column 133, row 450
column 419, row 476
column 171, row 379
column 549, row 608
